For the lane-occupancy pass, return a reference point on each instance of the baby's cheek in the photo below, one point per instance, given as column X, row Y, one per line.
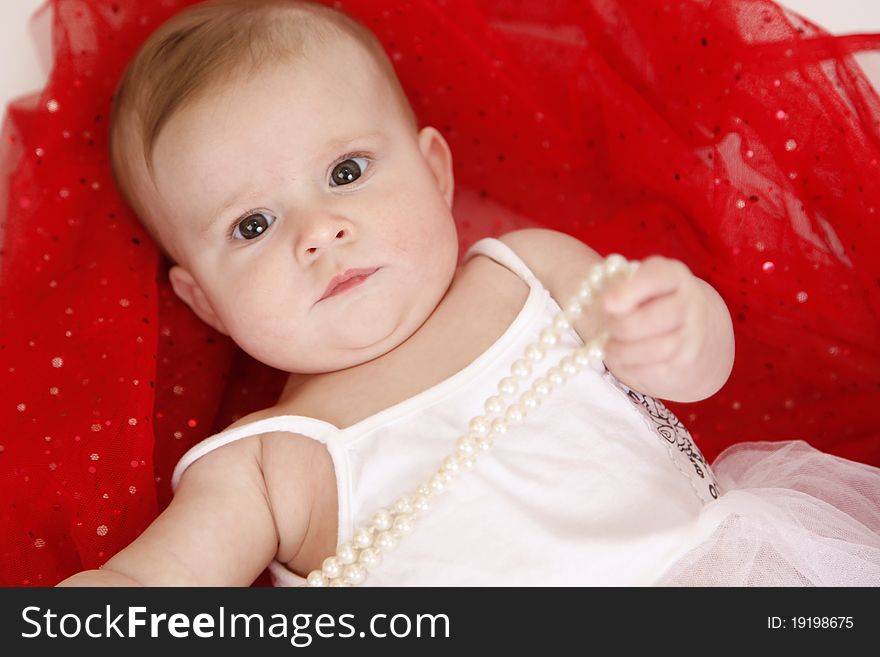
column 272, row 337
column 255, row 306
column 407, row 235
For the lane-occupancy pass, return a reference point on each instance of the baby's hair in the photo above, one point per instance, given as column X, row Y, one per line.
column 205, row 47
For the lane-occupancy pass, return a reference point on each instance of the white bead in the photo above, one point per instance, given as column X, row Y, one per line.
column 385, row 541
column 468, row 462
column 403, row 504
column 485, row 443
column 452, row 463
column 585, row 293
column 479, row 426
column 530, row 400
column 346, row 554
column 354, row 574
column 331, row 567
column 425, row 491
column 316, row 578
column 548, row 337
column 370, row 558
column 438, row 483
column 514, row 413
column 363, row 538
column 561, row 323
column 421, row 504
column 535, row 352
column 555, row 375
column 594, row 354
column 597, row 276
column 521, row 369
column 403, row 525
column 614, row 264
column 466, row 445
column 499, row 426
column 507, row 387
column 445, row 475
column 596, row 349
column 381, row 520
column 494, row 405
column 568, row 366
column 339, row 583
column 542, row 386
column 574, row 310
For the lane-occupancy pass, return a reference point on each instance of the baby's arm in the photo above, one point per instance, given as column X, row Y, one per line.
column 218, row 530
column 671, row 335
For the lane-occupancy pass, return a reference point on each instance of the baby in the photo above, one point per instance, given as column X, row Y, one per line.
column 270, row 151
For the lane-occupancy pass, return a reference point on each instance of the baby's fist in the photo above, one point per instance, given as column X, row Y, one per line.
column 657, row 322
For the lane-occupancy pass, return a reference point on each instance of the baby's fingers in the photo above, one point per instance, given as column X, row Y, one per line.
column 656, row 277
column 657, row 317
column 651, row 351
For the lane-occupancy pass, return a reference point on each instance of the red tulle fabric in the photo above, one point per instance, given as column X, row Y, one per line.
column 732, row 135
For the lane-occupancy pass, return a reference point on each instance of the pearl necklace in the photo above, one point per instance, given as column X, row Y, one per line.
column 389, row 524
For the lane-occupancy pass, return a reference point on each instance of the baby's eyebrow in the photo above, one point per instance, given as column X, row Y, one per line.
column 338, row 143
column 332, row 145
column 220, row 212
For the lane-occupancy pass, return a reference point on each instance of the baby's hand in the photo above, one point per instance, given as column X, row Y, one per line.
column 660, row 322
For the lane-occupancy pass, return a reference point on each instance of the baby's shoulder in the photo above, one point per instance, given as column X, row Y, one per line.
column 556, row 259
column 282, row 455
column 273, row 442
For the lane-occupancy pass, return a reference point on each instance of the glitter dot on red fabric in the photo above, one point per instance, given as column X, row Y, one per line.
column 731, row 135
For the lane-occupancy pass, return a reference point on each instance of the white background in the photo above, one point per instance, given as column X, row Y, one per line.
column 24, row 43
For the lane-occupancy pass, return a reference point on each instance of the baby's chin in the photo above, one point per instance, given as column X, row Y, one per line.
column 343, row 350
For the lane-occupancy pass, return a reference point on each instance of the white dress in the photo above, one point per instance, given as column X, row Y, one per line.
column 600, row 485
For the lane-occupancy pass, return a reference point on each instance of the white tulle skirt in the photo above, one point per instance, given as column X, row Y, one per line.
column 789, row 515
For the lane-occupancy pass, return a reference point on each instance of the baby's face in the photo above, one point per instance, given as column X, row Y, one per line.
column 291, row 177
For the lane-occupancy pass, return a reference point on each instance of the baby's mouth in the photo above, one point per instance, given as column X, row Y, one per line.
column 350, row 279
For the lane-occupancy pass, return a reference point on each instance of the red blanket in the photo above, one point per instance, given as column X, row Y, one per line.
column 731, row 135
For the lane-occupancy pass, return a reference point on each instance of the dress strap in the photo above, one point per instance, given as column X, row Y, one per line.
column 504, row 255
column 309, row 427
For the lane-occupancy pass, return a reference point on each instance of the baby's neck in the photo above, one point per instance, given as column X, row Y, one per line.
column 294, row 382
column 299, row 386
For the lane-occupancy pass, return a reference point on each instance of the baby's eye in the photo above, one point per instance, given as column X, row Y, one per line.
column 253, row 225
column 348, row 171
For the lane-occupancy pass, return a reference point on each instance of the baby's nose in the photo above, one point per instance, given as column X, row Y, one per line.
column 322, row 237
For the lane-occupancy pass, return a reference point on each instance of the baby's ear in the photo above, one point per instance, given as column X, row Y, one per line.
column 190, row 292
column 436, row 152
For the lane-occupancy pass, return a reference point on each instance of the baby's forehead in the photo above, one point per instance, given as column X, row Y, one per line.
column 345, row 67
column 299, row 95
